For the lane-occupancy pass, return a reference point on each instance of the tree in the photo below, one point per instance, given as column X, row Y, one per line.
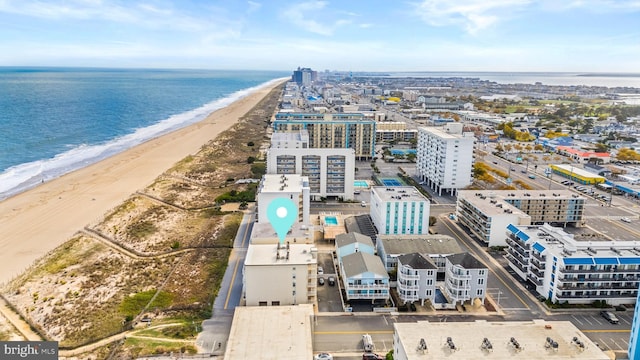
column 432, row 220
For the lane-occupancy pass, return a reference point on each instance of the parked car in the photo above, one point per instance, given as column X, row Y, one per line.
column 331, row 280
column 625, row 219
column 495, row 162
column 363, row 204
column 372, row 356
column 320, row 270
column 611, row 317
column 323, row 356
column 523, row 171
column 532, row 176
column 320, row 281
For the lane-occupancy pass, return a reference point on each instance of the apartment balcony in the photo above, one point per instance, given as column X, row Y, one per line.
column 366, row 296
column 457, row 275
column 515, row 262
column 408, row 286
column 596, row 271
column 535, row 279
column 409, row 297
column 591, row 286
column 537, row 264
column 516, row 254
column 536, row 255
column 408, row 276
column 629, row 295
column 536, row 272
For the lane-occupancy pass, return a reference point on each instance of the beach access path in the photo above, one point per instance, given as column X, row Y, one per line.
column 37, row 221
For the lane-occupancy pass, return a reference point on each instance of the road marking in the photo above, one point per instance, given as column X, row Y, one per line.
column 576, row 319
column 515, row 309
column 624, row 320
column 607, row 331
column 384, row 317
column 233, row 279
column 490, row 269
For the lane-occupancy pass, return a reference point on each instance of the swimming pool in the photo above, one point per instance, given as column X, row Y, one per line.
column 402, row 151
column 330, row 220
column 391, row 182
column 360, row 183
column 440, row 299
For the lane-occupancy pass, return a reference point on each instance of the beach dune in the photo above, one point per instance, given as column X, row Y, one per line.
column 37, row 221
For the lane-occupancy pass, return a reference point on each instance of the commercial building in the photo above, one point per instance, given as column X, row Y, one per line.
column 271, row 333
column 577, row 174
column 445, row 157
column 399, row 210
column 292, row 186
column 280, row 274
column 578, row 271
column 532, row 340
column 330, row 171
column 486, row 213
column 332, row 131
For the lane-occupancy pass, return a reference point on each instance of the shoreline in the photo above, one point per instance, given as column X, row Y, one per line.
column 36, row 221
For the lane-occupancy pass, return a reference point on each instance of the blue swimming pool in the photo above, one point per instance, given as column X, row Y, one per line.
column 440, row 299
column 391, row 182
column 360, row 183
column 330, row 220
column 402, row 151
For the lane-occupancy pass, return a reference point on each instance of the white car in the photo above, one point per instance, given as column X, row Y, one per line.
column 323, row 356
column 320, row 270
column 625, row 219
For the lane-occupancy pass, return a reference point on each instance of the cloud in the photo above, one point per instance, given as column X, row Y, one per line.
column 253, row 6
column 596, row 6
column 472, row 15
column 299, row 15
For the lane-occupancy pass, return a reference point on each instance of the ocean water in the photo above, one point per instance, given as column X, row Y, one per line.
column 56, row 120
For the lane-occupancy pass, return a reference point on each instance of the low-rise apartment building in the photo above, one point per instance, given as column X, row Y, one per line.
column 486, row 213
column 399, row 210
column 565, row 269
column 465, row 278
column 280, row 274
column 416, row 278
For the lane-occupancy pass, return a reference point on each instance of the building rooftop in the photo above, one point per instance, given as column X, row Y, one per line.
column 423, row 244
column 559, row 242
column 417, row 261
column 289, row 136
column 577, row 171
column 466, row 260
column 351, row 238
column 299, row 233
column 493, row 202
column 269, row 254
column 398, row 193
column 359, row 262
column 271, row 332
column 290, row 183
column 467, row 339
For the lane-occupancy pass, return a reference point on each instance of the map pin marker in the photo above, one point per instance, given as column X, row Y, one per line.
column 282, row 214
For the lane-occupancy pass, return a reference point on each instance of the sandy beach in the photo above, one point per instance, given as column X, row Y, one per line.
column 37, row 221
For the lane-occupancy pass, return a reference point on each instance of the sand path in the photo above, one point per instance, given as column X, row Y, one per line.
column 37, row 221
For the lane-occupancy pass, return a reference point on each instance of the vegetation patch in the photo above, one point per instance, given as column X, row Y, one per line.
column 134, row 304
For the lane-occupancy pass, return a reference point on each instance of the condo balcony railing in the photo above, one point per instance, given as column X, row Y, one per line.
column 534, row 279
column 407, row 286
column 590, row 286
column 597, row 270
column 408, row 276
column 630, row 296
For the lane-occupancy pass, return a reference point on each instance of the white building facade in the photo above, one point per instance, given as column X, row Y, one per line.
column 465, row 278
column 488, row 213
column 578, row 272
column 330, row 171
column 399, row 210
column 417, row 276
column 293, row 187
column 445, row 157
column 279, row 274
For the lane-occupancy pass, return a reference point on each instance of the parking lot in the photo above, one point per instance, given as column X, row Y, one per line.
column 328, row 296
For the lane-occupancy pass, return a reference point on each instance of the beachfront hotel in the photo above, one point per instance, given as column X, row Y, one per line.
column 291, row 186
column 445, row 157
column 399, row 210
column 568, row 268
column 486, row 213
column 330, row 171
column 332, row 131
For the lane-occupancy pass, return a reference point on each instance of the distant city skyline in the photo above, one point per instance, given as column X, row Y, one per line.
column 420, row 35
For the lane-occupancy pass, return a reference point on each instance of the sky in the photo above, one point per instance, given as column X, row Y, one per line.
column 358, row 35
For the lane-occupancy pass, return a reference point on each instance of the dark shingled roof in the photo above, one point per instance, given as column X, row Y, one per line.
column 466, row 260
column 359, row 262
column 417, row 261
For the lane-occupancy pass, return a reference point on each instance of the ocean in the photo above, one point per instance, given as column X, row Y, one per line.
column 56, row 120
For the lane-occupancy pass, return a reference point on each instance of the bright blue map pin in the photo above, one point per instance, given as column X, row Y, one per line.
column 282, row 214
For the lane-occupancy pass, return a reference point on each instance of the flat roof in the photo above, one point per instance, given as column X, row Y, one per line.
column 300, row 135
column 272, row 183
column 267, row 254
column 493, row 202
column 423, row 244
column 398, row 193
column 577, row 171
column 441, row 134
column 298, row 231
column 468, row 337
column 271, row 332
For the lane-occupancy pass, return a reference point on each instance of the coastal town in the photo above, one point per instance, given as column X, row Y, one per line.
column 435, row 217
